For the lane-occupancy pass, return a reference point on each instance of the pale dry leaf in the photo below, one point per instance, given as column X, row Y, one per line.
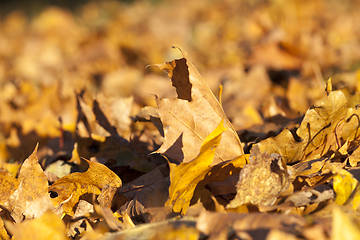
column 31, row 199
column 191, row 117
column 262, row 180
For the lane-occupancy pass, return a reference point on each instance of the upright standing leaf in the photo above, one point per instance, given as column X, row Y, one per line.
column 191, row 117
column 31, row 199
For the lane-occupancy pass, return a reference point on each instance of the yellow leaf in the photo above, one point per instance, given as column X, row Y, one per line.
column 343, row 149
column 12, row 168
column 284, row 144
column 354, row 158
column 343, row 228
column 75, row 158
column 185, row 176
column 355, row 202
column 8, row 185
column 344, row 184
column 75, row 185
column 48, row 226
column 328, row 88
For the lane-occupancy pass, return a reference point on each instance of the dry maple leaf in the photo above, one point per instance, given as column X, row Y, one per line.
column 75, row 185
column 31, row 199
column 321, row 129
column 321, row 121
column 262, row 180
column 191, row 117
column 283, row 144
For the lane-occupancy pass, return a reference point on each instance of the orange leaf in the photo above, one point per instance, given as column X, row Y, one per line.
column 75, row 185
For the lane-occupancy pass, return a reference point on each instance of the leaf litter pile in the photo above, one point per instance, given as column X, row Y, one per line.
column 97, row 142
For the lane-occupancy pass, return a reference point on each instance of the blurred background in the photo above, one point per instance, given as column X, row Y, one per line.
column 272, row 58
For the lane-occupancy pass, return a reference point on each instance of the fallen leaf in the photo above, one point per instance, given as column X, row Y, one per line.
column 185, row 176
column 191, row 117
column 112, row 222
column 158, row 214
column 218, row 225
column 307, row 167
column 169, row 229
column 48, row 226
column 343, row 228
column 344, row 184
column 284, row 144
column 77, row 185
column 320, row 121
column 306, row 197
column 297, row 95
column 262, row 180
column 31, row 199
column 8, row 185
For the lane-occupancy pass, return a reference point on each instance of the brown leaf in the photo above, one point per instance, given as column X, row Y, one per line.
column 217, row 225
column 262, row 180
column 191, row 117
column 181, row 229
column 112, row 222
column 158, row 214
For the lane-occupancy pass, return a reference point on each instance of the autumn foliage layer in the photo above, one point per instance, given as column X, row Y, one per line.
column 247, row 128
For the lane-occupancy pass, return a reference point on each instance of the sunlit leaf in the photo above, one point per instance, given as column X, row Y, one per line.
column 344, row 184
column 76, row 185
column 283, row 144
column 191, row 117
column 262, row 180
column 185, row 176
column 343, row 228
column 31, row 199
column 48, row 226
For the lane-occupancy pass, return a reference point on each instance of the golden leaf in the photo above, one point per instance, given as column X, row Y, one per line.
column 31, row 199
column 344, row 184
column 284, row 144
column 48, row 226
column 185, row 176
column 343, row 228
column 8, row 185
column 78, row 184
